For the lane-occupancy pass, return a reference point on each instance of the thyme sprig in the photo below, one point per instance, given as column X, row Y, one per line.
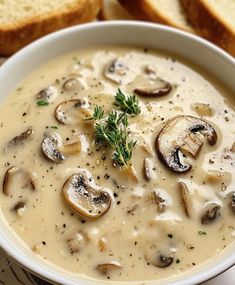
column 128, row 104
column 114, row 131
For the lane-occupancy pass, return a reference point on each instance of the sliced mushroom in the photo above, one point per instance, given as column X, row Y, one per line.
column 185, row 196
column 232, row 201
column 160, row 259
column 21, row 138
column 8, row 179
column 50, row 145
column 203, row 109
column 154, row 92
column 48, row 94
column 115, row 70
column 25, row 177
column 161, row 203
column 147, row 169
column 83, row 199
column 71, row 112
column 72, row 84
column 210, row 213
column 110, row 266
column 180, row 134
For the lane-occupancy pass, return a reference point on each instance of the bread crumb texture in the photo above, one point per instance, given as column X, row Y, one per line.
column 22, row 21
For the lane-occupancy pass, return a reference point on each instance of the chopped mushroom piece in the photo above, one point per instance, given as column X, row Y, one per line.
column 83, row 198
column 159, row 259
column 233, row 147
column 184, row 192
column 72, row 148
column 180, row 134
column 154, row 92
column 8, row 178
column 146, row 169
column 27, row 178
column 115, row 70
column 130, row 173
column 102, row 244
column 48, row 94
column 19, row 208
column 21, row 138
column 77, row 241
column 210, row 213
column 72, row 84
column 161, row 203
column 203, row 109
column 72, row 112
column 110, row 266
column 50, row 145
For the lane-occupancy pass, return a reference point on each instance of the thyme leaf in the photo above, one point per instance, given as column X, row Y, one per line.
column 127, row 104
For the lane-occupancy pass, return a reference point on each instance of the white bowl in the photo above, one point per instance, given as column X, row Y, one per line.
column 190, row 47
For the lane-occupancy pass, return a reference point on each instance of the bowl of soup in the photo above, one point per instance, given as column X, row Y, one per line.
column 118, row 154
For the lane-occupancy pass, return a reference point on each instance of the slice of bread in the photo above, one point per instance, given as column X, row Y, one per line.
column 112, row 10
column 169, row 12
column 22, row 21
column 215, row 20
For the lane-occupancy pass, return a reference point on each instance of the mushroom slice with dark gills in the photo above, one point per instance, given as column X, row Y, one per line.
column 115, row 70
column 50, row 145
column 210, row 213
column 179, row 135
column 83, row 198
column 23, row 177
column 54, row 150
column 71, row 112
column 47, row 94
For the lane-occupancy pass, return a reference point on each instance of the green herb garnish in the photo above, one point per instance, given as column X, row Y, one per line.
column 98, row 114
column 201, row 233
column 42, row 103
column 114, row 131
column 127, row 104
column 177, row 261
column 54, row 127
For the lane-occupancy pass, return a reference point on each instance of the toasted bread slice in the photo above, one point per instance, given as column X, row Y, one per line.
column 215, row 20
column 23, row 21
column 112, row 10
column 168, row 12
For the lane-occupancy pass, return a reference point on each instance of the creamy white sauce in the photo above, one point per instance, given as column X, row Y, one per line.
column 133, row 230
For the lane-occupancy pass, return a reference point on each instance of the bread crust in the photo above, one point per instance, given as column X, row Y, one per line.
column 113, row 10
column 14, row 38
column 210, row 25
column 143, row 10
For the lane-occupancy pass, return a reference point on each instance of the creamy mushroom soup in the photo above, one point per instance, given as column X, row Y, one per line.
column 118, row 163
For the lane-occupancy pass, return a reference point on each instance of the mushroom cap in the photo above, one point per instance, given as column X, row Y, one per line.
column 180, row 134
column 50, row 145
column 83, row 199
column 72, row 111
